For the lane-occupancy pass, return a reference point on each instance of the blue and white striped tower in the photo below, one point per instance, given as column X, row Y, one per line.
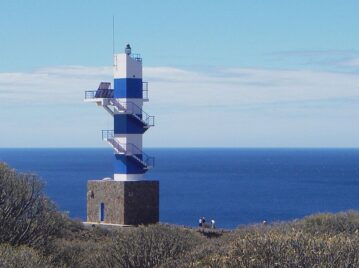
column 124, row 102
column 130, row 121
column 126, row 199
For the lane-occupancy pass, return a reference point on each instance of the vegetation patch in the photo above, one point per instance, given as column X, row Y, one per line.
column 34, row 233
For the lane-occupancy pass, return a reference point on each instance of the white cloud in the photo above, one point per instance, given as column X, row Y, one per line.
column 173, row 86
column 61, row 85
column 248, row 86
column 216, row 107
column 351, row 63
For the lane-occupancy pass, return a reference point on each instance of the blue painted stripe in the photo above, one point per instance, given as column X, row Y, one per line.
column 128, row 124
column 128, row 88
column 125, row 164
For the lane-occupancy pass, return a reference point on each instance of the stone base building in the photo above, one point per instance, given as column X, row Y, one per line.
column 122, row 202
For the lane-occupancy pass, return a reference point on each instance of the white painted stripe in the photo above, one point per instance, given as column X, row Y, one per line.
column 131, row 105
column 127, row 177
column 126, row 67
column 135, row 139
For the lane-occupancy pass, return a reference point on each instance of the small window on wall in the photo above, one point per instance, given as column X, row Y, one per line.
column 102, row 212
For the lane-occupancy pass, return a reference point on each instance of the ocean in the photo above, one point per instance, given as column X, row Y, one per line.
column 231, row 186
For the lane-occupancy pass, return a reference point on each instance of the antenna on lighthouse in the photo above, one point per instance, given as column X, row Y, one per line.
column 113, row 35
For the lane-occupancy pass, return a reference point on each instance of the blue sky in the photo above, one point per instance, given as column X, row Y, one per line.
column 222, row 73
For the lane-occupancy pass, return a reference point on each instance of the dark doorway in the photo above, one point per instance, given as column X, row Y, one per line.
column 102, row 212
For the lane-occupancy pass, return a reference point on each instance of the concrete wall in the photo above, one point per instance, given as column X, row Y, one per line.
column 126, row 202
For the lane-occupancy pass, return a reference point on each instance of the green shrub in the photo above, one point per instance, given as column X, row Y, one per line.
column 81, row 247
column 344, row 222
column 284, row 245
column 21, row 257
column 26, row 215
column 79, row 253
column 152, row 245
column 274, row 248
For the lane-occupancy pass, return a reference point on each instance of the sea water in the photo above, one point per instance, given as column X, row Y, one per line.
column 231, row 186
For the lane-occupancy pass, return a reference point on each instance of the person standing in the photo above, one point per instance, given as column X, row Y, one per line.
column 203, row 222
column 213, row 224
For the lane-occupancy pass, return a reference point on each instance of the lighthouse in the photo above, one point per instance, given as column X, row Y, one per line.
column 127, row 198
